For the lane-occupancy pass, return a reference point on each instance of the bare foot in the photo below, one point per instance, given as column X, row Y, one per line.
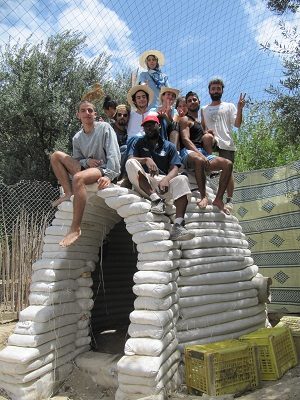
column 70, row 238
column 219, row 203
column 202, row 203
column 65, row 197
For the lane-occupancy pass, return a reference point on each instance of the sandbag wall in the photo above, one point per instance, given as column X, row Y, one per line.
column 217, row 284
column 54, row 329
column 151, row 357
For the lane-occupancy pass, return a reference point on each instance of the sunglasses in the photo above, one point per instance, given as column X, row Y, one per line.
column 120, row 115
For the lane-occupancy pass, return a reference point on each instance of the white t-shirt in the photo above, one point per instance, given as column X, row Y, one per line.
column 221, row 120
column 134, row 127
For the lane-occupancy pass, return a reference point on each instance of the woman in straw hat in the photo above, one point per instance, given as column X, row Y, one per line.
column 152, row 60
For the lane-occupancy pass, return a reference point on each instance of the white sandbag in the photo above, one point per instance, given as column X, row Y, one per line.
column 216, row 267
column 65, row 254
column 186, row 291
column 237, row 234
column 211, row 241
column 19, row 368
column 134, row 209
column 215, row 251
column 41, row 388
column 53, row 275
column 227, row 316
column 49, row 287
column 113, row 191
column 44, row 313
column 75, row 248
column 85, row 304
column 84, row 292
column 82, row 332
column 160, row 255
column 33, row 375
column 156, row 265
column 222, row 225
column 139, row 384
column 151, row 331
column 216, row 308
column 147, row 346
column 150, row 236
column 83, row 323
column 36, row 340
column 155, row 246
column 85, row 282
column 209, row 216
column 81, row 241
column 218, row 338
column 146, row 217
column 154, row 289
column 26, row 355
column 81, row 349
column 136, row 227
column 147, row 366
column 220, row 329
column 43, row 298
column 118, row 201
column 190, row 262
column 62, row 230
column 82, row 341
column 57, row 264
column 153, row 303
column 194, row 301
column 155, row 277
column 157, row 318
column 219, row 277
column 36, row 328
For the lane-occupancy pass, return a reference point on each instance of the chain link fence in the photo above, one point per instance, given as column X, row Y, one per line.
column 26, row 211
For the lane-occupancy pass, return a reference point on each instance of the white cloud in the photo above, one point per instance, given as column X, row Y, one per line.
column 104, row 29
column 265, row 25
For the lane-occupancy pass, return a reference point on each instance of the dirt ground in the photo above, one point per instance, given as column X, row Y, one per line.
column 80, row 386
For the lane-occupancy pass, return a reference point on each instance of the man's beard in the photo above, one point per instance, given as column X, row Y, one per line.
column 216, row 96
column 153, row 135
column 122, row 122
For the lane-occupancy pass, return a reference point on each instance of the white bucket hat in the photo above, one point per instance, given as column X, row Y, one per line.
column 134, row 89
column 156, row 53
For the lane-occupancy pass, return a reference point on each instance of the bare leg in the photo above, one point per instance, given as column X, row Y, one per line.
column 208, row 142
column 199, row 165
column 82, row 178
column 230, row 187
column 181, row 205
column 220, row 163
column 63, row 165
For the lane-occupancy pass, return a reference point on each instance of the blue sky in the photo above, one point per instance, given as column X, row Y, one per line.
column 200, row 39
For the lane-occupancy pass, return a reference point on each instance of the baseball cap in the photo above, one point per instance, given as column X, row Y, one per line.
column 150, row 118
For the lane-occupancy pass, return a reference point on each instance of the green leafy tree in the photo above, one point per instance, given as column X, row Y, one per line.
column 281, row 6
column 261, row 142
column 40, row 86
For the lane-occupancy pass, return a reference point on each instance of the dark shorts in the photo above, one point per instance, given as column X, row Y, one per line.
column 228, row 154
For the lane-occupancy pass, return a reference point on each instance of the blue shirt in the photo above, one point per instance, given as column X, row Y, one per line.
column 164, row 154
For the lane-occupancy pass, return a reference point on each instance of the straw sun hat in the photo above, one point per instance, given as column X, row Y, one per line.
column 156, row 53
column 134, row 89
column 165, row 89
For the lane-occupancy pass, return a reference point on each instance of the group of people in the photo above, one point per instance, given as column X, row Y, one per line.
column 150, row 143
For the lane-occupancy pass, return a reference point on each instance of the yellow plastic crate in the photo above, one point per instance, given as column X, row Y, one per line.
column 221, row 368
column 276, row 351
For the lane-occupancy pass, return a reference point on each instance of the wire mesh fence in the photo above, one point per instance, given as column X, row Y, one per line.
column 26, row 211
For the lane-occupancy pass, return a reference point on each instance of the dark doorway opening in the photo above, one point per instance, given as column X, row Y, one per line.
column 112, row 288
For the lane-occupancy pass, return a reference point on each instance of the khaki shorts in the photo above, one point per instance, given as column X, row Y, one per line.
column 178, row 186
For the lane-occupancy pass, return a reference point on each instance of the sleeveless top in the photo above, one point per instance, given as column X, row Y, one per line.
column 196, row 132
